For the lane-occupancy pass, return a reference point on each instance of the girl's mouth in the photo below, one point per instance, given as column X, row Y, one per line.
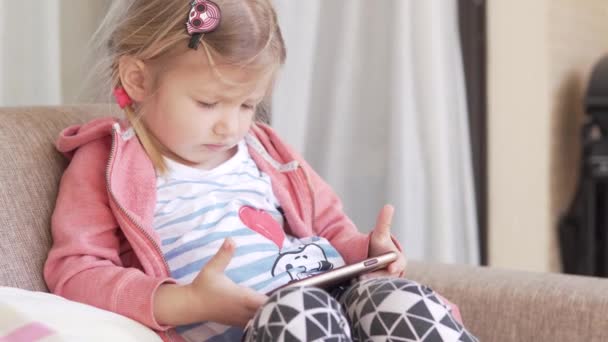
column 215, row 147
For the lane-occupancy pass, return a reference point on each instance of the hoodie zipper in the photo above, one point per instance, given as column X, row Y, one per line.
column 126, row 213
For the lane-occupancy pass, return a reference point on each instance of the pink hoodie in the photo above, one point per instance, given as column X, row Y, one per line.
column 105, row 252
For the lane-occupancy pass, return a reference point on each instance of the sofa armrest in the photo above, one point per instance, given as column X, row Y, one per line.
column 504, row 305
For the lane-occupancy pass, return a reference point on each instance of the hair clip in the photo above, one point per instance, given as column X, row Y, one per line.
column 204, row 17
column 122, row 98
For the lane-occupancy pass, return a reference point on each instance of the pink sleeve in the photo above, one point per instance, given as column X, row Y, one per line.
column 84, row 262
column 329, row 221
column 332, row 223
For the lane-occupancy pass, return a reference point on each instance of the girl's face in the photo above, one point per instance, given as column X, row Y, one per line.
column 197, row 117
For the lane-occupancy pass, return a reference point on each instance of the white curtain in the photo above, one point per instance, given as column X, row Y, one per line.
column 373, row 95
column 43, row 45
column 30, row 52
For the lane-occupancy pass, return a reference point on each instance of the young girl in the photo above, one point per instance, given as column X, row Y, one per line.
column 183, row 215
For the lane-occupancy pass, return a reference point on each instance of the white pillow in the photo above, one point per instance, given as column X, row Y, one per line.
column 39, row 316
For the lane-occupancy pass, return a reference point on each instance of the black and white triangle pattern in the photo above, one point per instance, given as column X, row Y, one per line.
column 391, row 309
column 300, row 314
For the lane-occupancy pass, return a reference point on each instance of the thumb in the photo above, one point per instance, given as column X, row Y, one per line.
column 222, row 258
column 383, row 223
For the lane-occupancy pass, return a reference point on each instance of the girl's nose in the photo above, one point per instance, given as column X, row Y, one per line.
column 228, row 123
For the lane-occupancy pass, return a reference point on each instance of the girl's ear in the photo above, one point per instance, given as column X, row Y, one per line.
column 133, row 74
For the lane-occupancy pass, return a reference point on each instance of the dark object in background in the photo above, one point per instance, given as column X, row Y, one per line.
column 583, row 230
column 473, row 39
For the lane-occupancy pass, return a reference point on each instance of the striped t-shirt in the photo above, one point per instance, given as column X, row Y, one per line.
column 197, row 209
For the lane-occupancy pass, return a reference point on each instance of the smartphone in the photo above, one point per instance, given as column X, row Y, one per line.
column 344, row 273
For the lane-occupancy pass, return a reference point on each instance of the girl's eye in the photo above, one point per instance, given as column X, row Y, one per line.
column 207, row 105
column 247, row 106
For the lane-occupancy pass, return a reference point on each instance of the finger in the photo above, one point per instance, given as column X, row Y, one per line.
column 397, row 267
column 222, row 258
column 253, row 300
column 384, row 220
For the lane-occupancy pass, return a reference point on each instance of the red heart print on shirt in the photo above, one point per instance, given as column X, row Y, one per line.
column 262, row 223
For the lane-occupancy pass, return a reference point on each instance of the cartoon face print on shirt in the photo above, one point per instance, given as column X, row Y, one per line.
column 302, row 263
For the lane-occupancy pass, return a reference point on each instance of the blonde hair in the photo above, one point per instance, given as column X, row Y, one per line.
column 248, row 36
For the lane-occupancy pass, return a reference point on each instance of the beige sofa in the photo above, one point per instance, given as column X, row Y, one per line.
column 497, row 305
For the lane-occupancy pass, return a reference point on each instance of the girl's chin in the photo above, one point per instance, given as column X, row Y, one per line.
column 210, row 159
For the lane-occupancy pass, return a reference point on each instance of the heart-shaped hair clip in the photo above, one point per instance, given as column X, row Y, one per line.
column 204, row 17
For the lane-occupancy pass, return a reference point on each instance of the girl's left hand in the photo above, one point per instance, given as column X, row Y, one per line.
column 381, row 242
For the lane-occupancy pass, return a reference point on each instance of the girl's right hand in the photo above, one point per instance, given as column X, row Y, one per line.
column 211, row 296
column 218, row 297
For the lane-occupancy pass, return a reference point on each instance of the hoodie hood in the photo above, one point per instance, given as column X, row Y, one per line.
column 75, row 136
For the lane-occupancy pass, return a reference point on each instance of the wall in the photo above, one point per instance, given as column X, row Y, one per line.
column 539, row 61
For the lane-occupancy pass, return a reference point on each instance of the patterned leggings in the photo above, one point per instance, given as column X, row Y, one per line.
column 380, row 309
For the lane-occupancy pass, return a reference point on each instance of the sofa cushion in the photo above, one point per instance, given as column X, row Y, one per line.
column 508, row 305
column 30, row 170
